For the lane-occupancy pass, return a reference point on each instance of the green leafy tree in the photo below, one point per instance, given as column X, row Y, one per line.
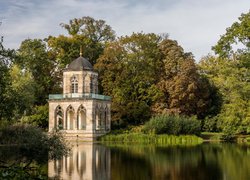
column 128, row 71
column 23, row 86
column 39, row 116
column 34, row 57
column 6, row 95
column 96, row 30
column 230, row 72
column 237, row 34
column 232, row 81
column 87, row 32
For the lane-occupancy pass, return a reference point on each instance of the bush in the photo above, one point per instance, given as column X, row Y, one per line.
column 33, row 142
column 170, row 124
column 32, row 147
column 39, row 116
column 211, row 124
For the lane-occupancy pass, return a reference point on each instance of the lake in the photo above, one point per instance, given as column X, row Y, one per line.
column 123, row 161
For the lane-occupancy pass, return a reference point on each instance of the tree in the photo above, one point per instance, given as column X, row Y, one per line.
column 237, row 34
column 232, row 81
column 147, row 74
column 230, row 72
column 87, row 32
column 38, row 117
column 34, row 57
column 23, row 88
column 129, row 70
column 6, row 96
column 96, row 30
column 184, row 90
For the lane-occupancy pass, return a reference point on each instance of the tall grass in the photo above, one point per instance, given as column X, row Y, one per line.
column 152, row 139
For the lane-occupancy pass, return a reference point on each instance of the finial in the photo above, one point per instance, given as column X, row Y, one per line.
column 80, row 51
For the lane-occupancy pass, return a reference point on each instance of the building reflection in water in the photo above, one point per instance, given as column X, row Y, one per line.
column 86, row 161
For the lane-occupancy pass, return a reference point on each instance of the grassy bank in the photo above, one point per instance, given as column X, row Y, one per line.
column 211, row 136
column 152, row 139
column 219, row 136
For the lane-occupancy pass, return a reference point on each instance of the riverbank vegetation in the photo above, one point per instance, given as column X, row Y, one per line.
column 145, row 74
column 155, row 139
column 33, row 140
column 176, row 125
column 32, row 148
column 159, row 130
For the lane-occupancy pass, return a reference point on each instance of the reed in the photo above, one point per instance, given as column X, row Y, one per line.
column 152, row 139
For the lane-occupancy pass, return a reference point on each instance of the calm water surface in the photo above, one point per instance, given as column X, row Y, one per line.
column 131, row 162
column 206, row 161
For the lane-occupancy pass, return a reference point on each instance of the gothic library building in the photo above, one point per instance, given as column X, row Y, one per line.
column 80, row 111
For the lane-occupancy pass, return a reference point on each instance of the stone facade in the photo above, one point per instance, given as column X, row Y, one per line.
column 87, row 82
column 80, row 111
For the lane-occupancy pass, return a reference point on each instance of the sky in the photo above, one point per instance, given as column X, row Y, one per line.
column 195, row 24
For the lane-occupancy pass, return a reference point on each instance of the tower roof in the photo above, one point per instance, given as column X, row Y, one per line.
column 80, row 64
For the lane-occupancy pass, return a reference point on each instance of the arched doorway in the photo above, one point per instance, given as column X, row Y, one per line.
column 101, row 116
column 70, row 117
column 97, row 118
column 59, row 118
column 106, row 119
column 81, row 118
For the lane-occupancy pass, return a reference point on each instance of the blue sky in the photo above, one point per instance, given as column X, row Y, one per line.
column 195, row 24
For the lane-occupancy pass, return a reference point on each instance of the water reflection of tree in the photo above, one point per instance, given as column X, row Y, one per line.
column 234, row 160
column 163, row 163
column 16, row 162
column 25, row 151
column 127, row 165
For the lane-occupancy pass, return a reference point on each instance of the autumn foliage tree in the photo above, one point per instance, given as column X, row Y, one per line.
column 184, row 90
column 147, row 74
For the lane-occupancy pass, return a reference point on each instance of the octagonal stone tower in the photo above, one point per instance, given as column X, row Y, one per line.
column 80, row 112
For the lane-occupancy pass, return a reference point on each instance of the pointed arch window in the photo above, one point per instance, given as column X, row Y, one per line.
column 91, row 84
column 70, row 112
column 106, row 118
column 81, row 118
column 59, row 118
column 74, row 85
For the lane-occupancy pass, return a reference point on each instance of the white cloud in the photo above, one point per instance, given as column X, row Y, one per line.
column 195, row 24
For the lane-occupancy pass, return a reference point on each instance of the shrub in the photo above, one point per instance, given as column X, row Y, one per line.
column 39, row 116
column 33, row 142
column 210, row 124
column 190, row 126
column 32, row 147
column 170, row 124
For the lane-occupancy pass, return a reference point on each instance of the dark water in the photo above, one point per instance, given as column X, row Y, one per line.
column 206, row 161
column 95, row 161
